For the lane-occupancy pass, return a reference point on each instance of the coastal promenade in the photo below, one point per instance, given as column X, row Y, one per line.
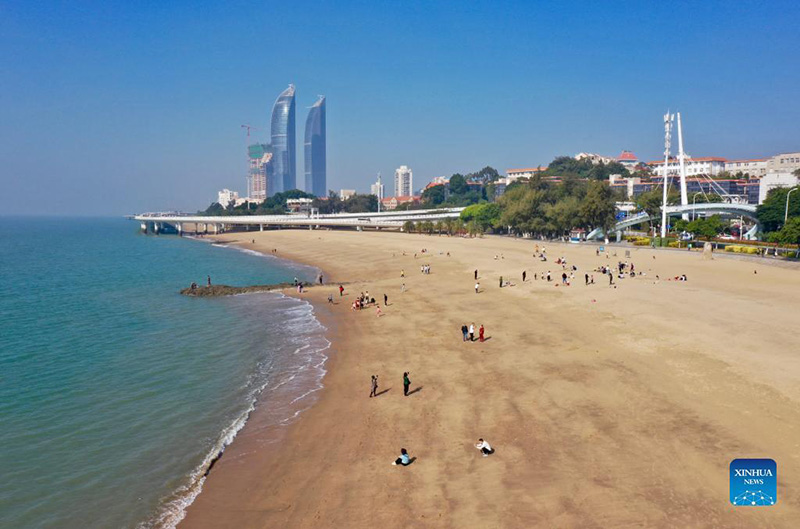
column 608, row 406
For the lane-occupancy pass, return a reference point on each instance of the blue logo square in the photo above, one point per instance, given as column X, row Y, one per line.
column 754, row 482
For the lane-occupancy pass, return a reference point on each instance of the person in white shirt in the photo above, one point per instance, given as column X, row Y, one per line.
column 477, row 286
column 471, row 332
column 484, row 447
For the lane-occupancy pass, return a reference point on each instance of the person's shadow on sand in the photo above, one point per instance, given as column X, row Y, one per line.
column 378, row 394
column 414, row 390
column 411, row 461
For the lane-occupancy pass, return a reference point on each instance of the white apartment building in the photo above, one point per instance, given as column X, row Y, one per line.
column 710, row 165
column 594, row 158
column 526, row 172
column 403, row 182
column 226, row 196
column 773, row 180
column 784, row 163
column 344, row 194
column 755, row 167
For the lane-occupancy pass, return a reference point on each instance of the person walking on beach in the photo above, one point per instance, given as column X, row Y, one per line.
column 341, row 290
column 378, row 311
column 476, row 274
column 403, row 460
column 484, row 447
column 374, row 391
column 402, row 273
column 209, row 280
column 587, row 278
column 524, row 275
column 320, row 279
column 464, row 331
column 477, row 286
column 406, row 384
column 480, row 333
column 403, row 287
column 501, row 281
column 471, row 332
column 385, row 299
column 330, row 299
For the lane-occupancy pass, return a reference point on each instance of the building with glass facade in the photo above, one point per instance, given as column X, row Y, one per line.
column 315, row 172
column 283, row 142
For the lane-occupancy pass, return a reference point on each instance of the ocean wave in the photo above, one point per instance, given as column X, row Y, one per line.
column 306, row 334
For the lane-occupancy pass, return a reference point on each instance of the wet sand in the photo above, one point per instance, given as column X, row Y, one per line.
column 607, row 407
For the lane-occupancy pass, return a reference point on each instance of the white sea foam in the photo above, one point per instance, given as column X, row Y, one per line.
column 302, row 325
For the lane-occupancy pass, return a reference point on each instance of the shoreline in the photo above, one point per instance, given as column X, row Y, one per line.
column 343, row 441
column 173, row 509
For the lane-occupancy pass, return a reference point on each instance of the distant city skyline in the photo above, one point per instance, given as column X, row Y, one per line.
column 139, row 108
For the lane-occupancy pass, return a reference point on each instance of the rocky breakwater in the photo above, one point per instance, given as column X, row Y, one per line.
column 225, row 290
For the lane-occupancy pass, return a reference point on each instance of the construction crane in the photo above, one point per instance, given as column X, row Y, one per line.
column 249, row 127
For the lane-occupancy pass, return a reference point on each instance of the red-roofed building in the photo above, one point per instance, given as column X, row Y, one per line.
column 390, row 203
column 628, row 159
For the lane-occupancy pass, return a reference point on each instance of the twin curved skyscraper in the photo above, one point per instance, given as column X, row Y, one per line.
column 284, row 169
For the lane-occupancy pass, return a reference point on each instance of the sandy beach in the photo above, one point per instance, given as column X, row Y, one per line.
column 607, row 407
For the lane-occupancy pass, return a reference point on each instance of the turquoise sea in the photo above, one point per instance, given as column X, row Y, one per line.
column 115, row 391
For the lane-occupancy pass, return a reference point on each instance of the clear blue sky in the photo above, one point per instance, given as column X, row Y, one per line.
column 119, row 107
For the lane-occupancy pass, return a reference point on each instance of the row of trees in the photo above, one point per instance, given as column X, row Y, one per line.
column 357, row 203
column 274, row 205
column 539, row 207
column 569, row 166
column 545, row 208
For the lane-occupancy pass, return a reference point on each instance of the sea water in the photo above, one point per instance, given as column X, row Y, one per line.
column 115, row 391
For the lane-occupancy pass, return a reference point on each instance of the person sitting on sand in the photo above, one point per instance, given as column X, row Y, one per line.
column 403, row 459
column 484, row 447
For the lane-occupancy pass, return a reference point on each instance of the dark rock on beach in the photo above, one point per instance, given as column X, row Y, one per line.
column 225, row 290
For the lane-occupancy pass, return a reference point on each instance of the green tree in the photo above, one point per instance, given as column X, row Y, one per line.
column 707, row 228
column 771, row 213
column 484, row 176
column 360, row 203
column 486, row 215
column 789, row 233
column 458, row 185
column 433, row 196
column 598, row 208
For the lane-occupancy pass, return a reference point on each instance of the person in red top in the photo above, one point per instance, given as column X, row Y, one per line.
column 480, row 333
column 341, row 290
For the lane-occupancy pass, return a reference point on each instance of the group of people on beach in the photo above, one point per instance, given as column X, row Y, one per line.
column 468, row 332
column 362, row 301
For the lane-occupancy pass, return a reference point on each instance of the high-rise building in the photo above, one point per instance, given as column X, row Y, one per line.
column 261, row 181
column 283, row 141
column 315, row 172
column 403, row 182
